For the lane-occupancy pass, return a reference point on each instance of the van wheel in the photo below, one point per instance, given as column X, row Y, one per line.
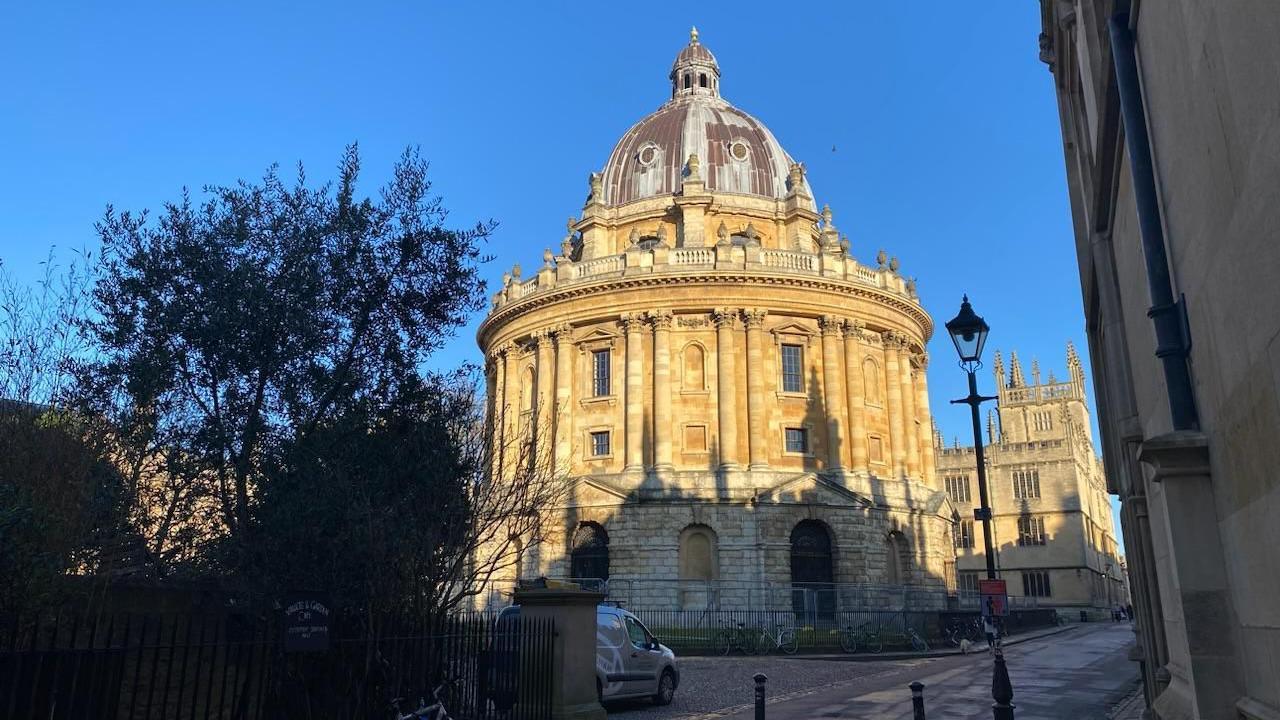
column 666, row 688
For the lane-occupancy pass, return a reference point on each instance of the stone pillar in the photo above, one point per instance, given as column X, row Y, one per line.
column 726, row 402
column 928, row 461
column 573, row 663
column 661, row 320
column 564, row 396
column 832, row 392
column 544, row 400
column 857, row 399
column 909, row 412
column 893, row 393
column 508, row 409
column 631, row 325
column 758, row 446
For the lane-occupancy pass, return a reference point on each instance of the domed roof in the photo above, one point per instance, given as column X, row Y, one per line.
column 736, row 152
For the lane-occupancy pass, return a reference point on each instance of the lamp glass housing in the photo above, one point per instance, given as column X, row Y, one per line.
column 968, row 332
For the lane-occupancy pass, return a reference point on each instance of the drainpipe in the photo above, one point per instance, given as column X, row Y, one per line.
column 1167, row 313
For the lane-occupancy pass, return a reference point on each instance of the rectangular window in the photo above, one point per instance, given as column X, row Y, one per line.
column 1031, row 530
column 962, row 534
column 957, row 487
column 876, row 448
column 1043, row 420
column 1026, row 484
column 792, row 368
column 797, row 440
column 1036, row 584
column 600, row 443
column 967, row 582
column 600, row 373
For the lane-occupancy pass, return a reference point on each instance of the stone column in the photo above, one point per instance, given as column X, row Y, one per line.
column 661, row 320
column 893, row 393
column 928, row 462
column 544, row 399
column 573, row 657
column 854, row 384
column 832, row 392
column 909, row 412
column 564, row 396
column 631, row 325
column 758, row 447
column 726, row 402
column 508, row 410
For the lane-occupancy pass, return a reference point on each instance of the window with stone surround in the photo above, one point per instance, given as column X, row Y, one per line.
column 695, row 438
column 793, row 368
column 1035, row 583
column 870, row 382
column 967, row 582
column 1026, row 484
column 698, row 553
column 694, row 377
column 797, row 440
column 600, row 443
column 1042, row 420
column 875, row 448
column 962, row 534
column 600, row 378
column 1031, row 530
column 589, row 558
column 957, row 487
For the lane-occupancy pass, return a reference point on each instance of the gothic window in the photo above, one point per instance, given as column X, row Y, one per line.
column 590, row 556
column 1036, row 584
column 871, row 382
column 962, row 534
column 695, row 375
column 1031, row 530
column 895, row 558
column 792, row 368
column 600, row 373
column 1026, row 484
column 957, row 487
column 698, row 554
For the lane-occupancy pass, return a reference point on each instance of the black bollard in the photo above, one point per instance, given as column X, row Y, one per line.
column 1001, row 690
column 917, row 700
column 760, row 679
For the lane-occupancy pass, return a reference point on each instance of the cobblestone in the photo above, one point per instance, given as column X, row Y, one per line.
column 709, row 684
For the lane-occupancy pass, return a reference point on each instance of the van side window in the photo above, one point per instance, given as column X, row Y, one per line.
column 637, row 634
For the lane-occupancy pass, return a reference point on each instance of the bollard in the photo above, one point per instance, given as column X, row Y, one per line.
column 917, row 700
column 1001, row 690
column 760, row 679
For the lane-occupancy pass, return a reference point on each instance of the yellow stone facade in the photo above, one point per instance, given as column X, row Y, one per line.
column 645, row 360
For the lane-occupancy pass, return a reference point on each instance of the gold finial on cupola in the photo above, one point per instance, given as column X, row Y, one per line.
column 693, row 36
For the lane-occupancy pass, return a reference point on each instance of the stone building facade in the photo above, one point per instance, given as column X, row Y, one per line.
column 740, row 404
column 1052, row 530
column 1168, row 113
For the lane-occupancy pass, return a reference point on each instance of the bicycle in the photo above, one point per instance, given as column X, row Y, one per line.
column 730, row 638
column 434, row 711
column 851, row 638
column 784, row 639
column 917, row 643
column 961, row 630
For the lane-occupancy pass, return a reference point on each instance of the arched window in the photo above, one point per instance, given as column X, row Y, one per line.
column 896, row 561
column 812, row 571
column 698, row 554
column 526, row 390
column 871, row 381
column 686, row 81
column 694, row 367
column 590, row 554
column 702, row 79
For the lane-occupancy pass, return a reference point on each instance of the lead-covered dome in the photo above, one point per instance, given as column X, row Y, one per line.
column 736, row 152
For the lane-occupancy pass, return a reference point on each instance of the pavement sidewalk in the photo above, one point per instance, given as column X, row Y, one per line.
column 979, row 648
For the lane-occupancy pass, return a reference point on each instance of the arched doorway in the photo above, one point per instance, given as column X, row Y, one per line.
column 812, row 571
column 699, row 568
column 590, row 553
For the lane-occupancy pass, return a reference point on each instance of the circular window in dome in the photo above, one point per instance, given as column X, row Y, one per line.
column 648, row 155
column 739, row 151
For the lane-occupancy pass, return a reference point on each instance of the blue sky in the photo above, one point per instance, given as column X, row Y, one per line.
column 930, row 128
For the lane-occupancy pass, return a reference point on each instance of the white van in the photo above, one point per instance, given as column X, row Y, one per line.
column 630, row 663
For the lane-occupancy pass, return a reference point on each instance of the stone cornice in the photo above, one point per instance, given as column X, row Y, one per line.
column 586, row 289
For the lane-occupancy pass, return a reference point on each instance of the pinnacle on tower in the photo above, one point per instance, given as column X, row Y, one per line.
column 997, row 366
column 937, row 436
column 1016, row 378
column 1075, row 370
column 991, row 428
column 1035, row 371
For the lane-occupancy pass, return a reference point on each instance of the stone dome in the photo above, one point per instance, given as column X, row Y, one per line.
column 736, row 152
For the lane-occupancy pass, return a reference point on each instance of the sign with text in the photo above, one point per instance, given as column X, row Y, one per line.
column 995, row 598
column 306, row 623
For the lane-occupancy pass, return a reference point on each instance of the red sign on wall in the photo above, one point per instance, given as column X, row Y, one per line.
column 995, row 598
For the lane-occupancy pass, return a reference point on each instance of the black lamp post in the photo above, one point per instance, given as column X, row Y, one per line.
column 969, row 333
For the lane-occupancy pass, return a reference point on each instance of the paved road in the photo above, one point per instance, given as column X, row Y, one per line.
column 1078, row 674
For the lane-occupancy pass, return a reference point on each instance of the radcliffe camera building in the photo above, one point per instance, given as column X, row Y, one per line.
column 1052, row 528
column 736, row 398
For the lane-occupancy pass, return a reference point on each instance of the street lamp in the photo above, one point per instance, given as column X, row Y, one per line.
column 969, row 333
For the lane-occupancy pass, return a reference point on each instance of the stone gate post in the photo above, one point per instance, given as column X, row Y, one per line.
column 573, row 664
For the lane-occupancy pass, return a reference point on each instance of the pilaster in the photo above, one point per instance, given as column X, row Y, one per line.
column 832, row 393
column 893, row 393
column 661, row 320
column 758, row 448
column 726, row 404
column 909, row 419
column 854, row 383
column 632, row 326
column 564, row 399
